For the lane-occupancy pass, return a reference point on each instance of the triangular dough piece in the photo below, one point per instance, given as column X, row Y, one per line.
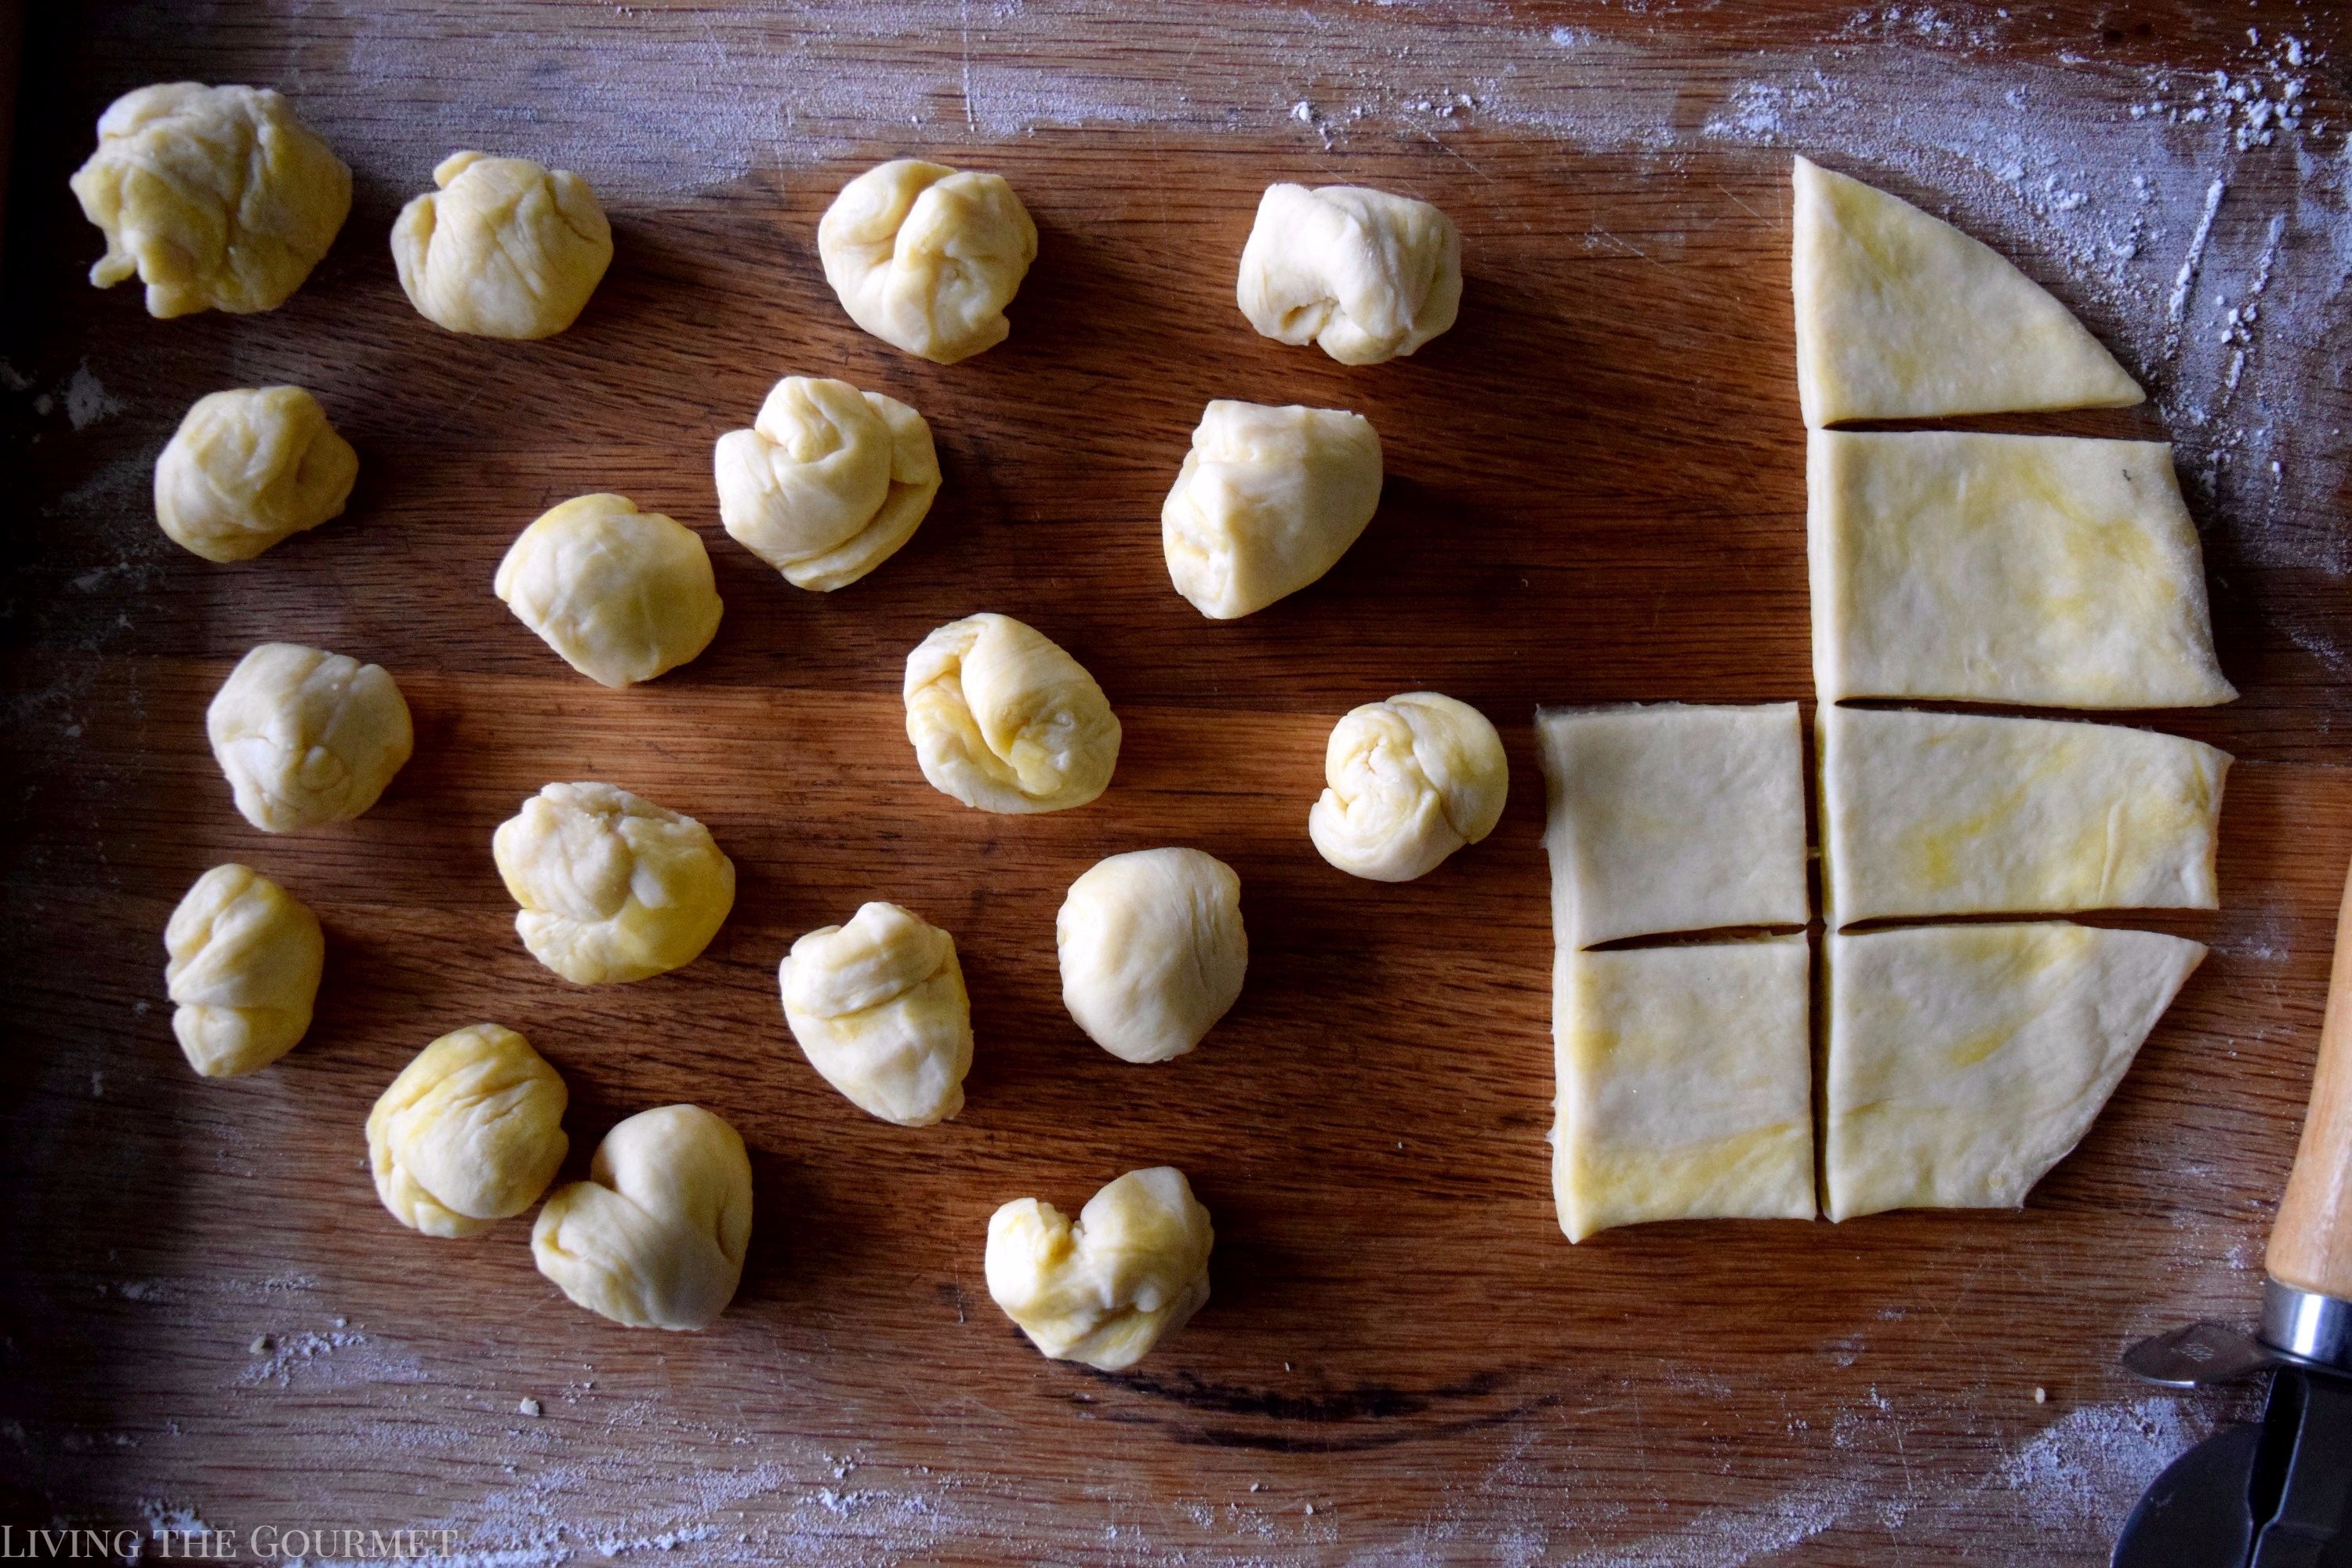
column 1673, row 818
column 1959, row 814
column 1901, row 316
column 1685, row 1084
column 2046, row 570
column 1966, row 1060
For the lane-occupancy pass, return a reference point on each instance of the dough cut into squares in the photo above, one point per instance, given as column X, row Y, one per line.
column 1960, row 814
column 1966, row 1060
column 1685, row 1084
column 1901, row 316
column 2045, row 570
column 1673, row 818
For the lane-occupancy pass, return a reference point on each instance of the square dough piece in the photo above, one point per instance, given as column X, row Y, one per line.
column 1960, row 814
column 1672, row 818
column 1685, row 1084
column 1966, row 1060
column 2041, row 570
column 1901, row 316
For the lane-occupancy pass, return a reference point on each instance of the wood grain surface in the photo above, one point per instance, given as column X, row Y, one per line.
column 1595, row 493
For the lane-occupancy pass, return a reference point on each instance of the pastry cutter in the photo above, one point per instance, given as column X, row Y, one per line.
column 2278, row 1495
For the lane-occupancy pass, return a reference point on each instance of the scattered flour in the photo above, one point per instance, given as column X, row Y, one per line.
column 86, row 400
column 2081, row 1475
column 339, row 1358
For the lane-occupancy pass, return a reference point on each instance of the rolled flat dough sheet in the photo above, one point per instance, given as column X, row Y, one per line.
column 1901, row 316
column 1672, row 818
column 2041, row 570
column 1955, row 813
column 1685, row 1084
column 1966, row 1060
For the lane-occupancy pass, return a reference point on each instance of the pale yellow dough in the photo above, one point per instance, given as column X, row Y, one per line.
column 1133, row 1269
column 1685, row 1084
column 1966, row 1060
column 655, row 1237
column 470, row 1132
column 1365, row 275
column 1407, row 783
column 828, row 482
column 878, row 1007
column 926, row 257
column 1901, row 316
column 1957, row 814
column 622, row 594
column 1003, row 719
column 1673, row 818
column 611, row 888
column 2045, row 571
column 243, row 974
column 306, row 737
column 249, row 468
column 504, row 248
column 1267, row 500
column 217, row 198
column 1152, row 950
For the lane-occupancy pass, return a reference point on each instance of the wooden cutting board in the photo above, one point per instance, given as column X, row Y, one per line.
column 1595, row 493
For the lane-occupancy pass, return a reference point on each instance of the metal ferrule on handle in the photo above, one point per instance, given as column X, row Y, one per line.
column 2308, row 1327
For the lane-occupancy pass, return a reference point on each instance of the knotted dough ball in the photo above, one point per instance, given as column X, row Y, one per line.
column 1134, row 1268
column 828, row 482
column 622, row 594
column 1005, row 719
column 655, row 1237
column 1268, row 501
column 217, row 198
column 504, row 248
column 1410, row 779
column 243, row 971
column 249, row 468
column 613, row 888
column 307, row 737
column 471, row 1132
column 1152, row 950
column 926, row 257
column 879, row 1008
column 1366, row 275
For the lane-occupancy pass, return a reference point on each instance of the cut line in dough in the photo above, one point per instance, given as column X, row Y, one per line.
column 2046, row 570
column 1673, row 817
column 1686, row 1078
column 1901, row 316
column 1966, row 1060
column 1959, row 814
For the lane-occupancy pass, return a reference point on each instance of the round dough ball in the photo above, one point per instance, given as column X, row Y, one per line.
column 1002, row 719
column 655, row 1237
column 828, row 482
column 470, row 1131
column 1410, row 781
column 926, row 257
column 217, row 198
column 1152, row 950
column 1267, row 500
column 1366, row 275
column 248, row 469
column 242, row 971
column 613, row 888
column 1105, row 1290
column 504, row 248
column 622, row 594
column 307, row 737
column 879, row 1008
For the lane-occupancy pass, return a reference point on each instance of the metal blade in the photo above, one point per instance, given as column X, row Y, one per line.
column 2195, row 1514
column 2199, row 1354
